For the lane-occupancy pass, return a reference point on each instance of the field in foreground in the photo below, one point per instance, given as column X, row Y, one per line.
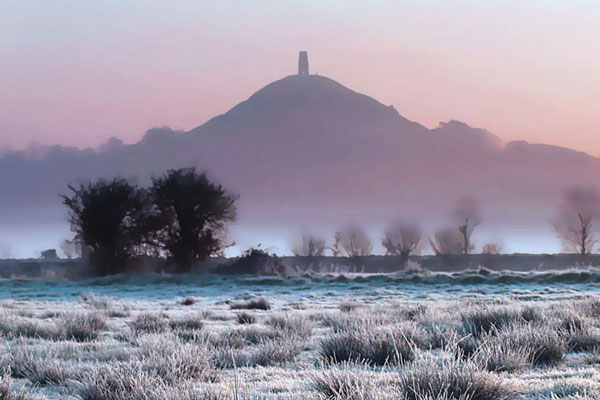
column 335, row 337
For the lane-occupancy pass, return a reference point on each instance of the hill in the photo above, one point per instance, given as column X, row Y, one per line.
column 306, row 149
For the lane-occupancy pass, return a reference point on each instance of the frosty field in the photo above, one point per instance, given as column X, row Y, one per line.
column 464, row 335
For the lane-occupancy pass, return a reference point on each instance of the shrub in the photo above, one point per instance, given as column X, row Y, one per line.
column 256, row 304
column 373, row 347
column 82, row 327
column 451, row 380
column 245, row 318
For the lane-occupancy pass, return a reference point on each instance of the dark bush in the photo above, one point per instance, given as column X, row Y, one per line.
column 105, row 217
column 188, row 217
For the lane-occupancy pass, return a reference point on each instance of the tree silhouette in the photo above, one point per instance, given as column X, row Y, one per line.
column 354, row 242
column 188, row 217
column 311, row 247
column 575, row 220
column 447, row 241
column 401, row 240
column 104, row 217
column 468, row 216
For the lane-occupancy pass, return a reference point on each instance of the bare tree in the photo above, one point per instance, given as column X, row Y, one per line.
column 311, row 247
column 401, row 240
column 447, row 241
column 577, row 213
column 468, row 217
column 354, row 242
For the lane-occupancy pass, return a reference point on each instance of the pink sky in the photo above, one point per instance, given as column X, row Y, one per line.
column 78, row 73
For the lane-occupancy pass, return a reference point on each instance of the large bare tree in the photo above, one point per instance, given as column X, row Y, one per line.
column 575, row 221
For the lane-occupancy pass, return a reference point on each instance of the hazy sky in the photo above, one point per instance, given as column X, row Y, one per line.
column 78, row 72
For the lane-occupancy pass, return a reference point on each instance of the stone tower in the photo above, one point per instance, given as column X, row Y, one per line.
column 303, row 63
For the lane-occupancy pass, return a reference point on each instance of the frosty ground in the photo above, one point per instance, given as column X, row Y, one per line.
column 465, row 335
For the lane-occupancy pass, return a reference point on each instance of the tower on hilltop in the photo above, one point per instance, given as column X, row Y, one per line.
column 303, row 63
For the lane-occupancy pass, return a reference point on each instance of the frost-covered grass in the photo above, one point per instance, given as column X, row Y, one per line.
column 371, row 345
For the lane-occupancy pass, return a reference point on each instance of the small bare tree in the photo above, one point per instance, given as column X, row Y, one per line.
column 468, row 217
column 354, row 242
column 401, row 240
column 574, row 223
column 311, row 247
column 491, row 248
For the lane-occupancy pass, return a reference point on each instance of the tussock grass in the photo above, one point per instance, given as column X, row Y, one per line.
column 188, row 301
column 14, row 327
column 449, row 381
column 489, row 320
column 192, row 322
column 578, row 334
column 132, row 382
column 373, row 347
column 82, row 327
column 348, row 306
column 149, row 323
column 345, row 383
column 40, row 366
column 500, row 356
column 245, row 318
column 376, row 351
column 257, row 304
column 7, row 387
column 274, row 352
column 296, row 325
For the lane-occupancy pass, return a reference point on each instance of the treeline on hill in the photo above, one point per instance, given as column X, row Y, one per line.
column 180, row 217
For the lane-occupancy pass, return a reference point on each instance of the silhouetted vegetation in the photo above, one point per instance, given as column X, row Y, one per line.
column 401, row 240
column 575, row 221
column 188, row 216
column 104, row 216
column 182, row 217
